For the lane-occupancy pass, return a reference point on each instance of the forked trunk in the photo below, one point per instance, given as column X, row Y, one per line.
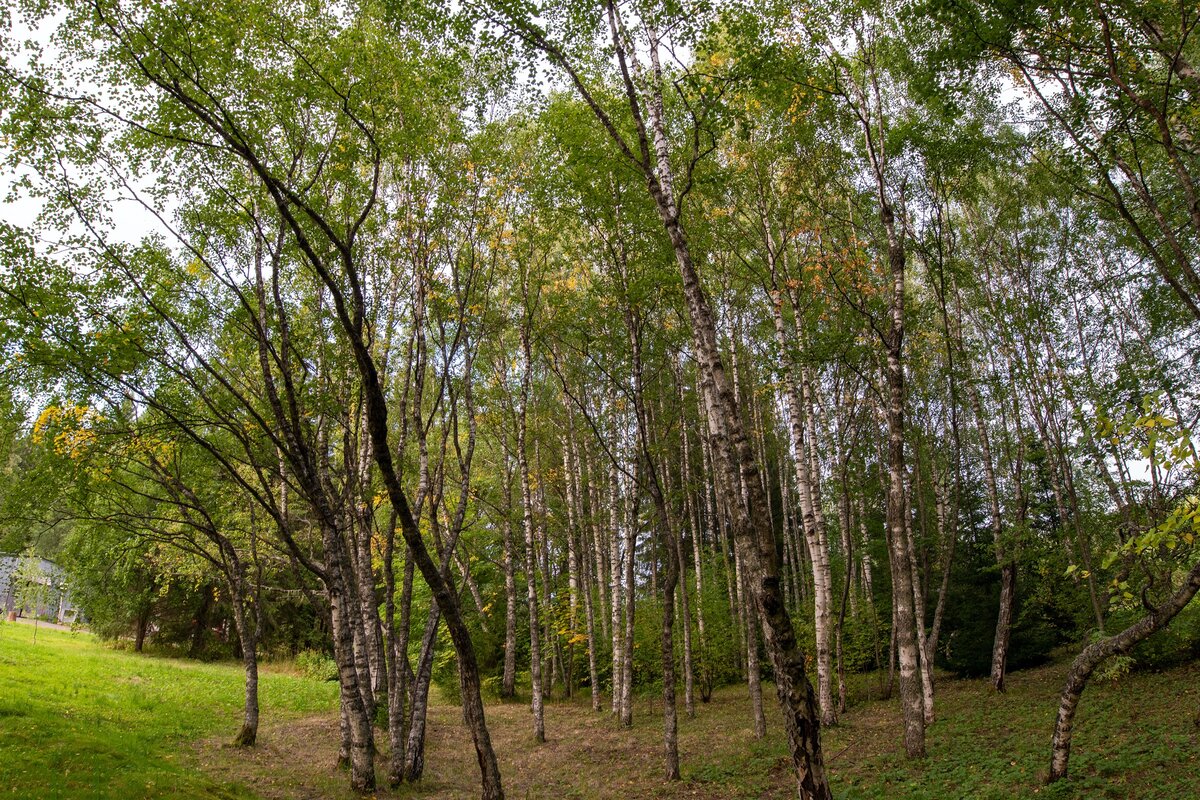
column 414, row 750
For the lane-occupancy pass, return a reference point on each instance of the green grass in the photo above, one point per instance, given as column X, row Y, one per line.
column 78, row 720
column 1135, row 738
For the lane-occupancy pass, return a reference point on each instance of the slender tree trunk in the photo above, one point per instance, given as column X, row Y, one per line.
column 591, row 570
column 907, row 651
column 617, row 592
column 249, row 641
column 845, row 524
column 414, row 755
column 823, row 589
column 509, row 678
column 531, row 571
column 407, row 679
column 919, row 616
column 345, row 744
column 589, row 611
column 358, row 630
column 733, row 455
column 674, row 579
column 864, row 537
column 754, row 674
column 670, row 545
column 670, row 715
column 600, row 554
column 948, row 535
column 695, row 660
column 362, row 532
column 626, row 710
column 139, row 634
column 808, row 499
column 362, row 741
column 573, row 570
column 553, row 660
column 1004, row 619
column 395, row 685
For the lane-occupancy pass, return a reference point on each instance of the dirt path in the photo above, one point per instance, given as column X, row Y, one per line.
column 54, row 626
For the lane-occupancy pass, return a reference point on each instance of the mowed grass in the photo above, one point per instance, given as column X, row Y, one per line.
column 79, row 720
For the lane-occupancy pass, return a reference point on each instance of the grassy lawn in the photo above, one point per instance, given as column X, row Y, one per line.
column 78, row 720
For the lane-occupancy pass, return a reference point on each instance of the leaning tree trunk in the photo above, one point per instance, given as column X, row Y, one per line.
column 1094, row 654
column 437, row 578
column 733, row 455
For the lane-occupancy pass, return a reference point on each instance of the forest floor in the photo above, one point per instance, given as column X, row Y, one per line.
column 78, row 720
column 1134, row 739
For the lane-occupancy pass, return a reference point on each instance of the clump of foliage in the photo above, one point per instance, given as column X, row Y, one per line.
column 316, row 665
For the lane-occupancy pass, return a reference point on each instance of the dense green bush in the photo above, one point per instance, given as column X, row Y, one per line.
column 316, row 665
column 1173, row 645
column 445, row 668
column 1047, row 607
column 859, row 638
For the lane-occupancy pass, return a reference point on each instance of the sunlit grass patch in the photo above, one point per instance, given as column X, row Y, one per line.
column 78, row 720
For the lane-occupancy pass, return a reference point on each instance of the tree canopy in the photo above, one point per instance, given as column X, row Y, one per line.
column 608, row 346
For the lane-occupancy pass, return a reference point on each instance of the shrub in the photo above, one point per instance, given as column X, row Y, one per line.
column 858, row 641
column 316, row 665
column 1174, row 644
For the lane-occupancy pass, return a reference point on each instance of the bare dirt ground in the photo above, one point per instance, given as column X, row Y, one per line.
column 1135, row 739
column 585, row 756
